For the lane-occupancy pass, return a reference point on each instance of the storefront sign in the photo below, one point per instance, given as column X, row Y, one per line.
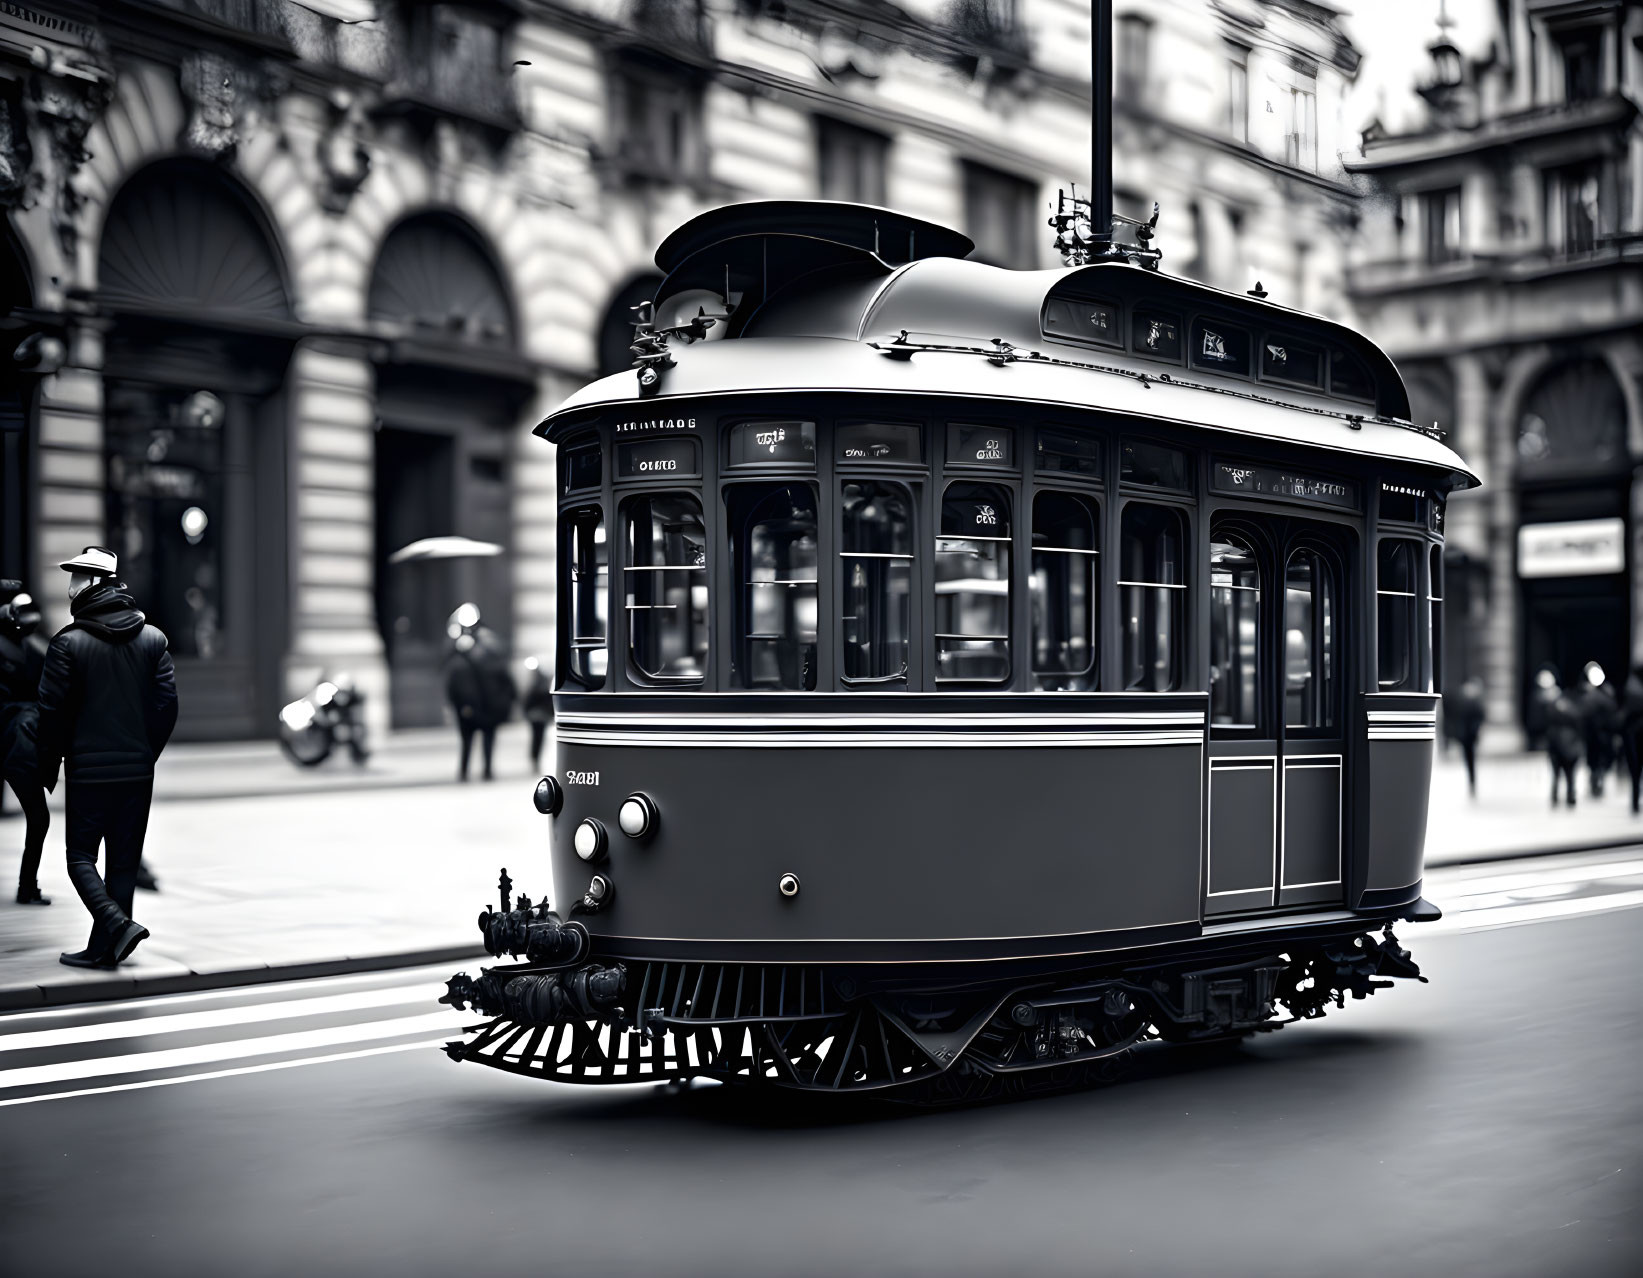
column 656, row 457
column 1269, row 481
column 1582, row 548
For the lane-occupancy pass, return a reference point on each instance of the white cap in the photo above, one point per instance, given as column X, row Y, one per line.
column 93, row 561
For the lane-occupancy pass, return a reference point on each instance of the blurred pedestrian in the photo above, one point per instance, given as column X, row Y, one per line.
column 1631, row 731
column 1542, row 693
column 477, row 682
column 1565, row 742
column 1463, row 715
column 1600, row 725
column 538, row 708
column 22, row 658
column 108, row 703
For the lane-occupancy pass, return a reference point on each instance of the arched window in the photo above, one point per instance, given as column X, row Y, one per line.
column 1573, row 419
column 436, row 279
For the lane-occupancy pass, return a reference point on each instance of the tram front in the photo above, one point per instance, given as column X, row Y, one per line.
column 963, row 673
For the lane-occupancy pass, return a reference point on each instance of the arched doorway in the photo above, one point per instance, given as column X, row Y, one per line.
column 195, row 434
column 16, row 414
column 450, row 390
column 1574, row 512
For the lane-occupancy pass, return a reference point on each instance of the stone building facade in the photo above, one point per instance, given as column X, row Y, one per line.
column 283, row 283
column 1502, row 268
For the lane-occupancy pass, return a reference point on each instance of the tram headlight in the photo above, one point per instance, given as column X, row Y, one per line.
column 549, row 797
column 591, row 841
column 637, row 816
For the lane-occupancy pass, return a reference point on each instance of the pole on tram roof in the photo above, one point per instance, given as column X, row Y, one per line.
column 1101, row 122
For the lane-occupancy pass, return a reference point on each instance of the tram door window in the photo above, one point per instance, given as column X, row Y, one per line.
column 773, row 548
column 876, row 536
column 1311, row 633
column 1234, row 633
column 589, row 582
column 1152, row 590
column 973, row 585
column 1395, row 596
column 1065, row 592
column 1435, row 597
column 665, row 584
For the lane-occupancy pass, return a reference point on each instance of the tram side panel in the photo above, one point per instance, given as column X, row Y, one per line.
column 913, row 844
column 1402, row 735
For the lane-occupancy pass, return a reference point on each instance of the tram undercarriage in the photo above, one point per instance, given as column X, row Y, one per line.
column 949, row 1032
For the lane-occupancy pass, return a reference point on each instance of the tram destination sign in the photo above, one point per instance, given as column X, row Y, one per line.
column 641, row 458
column 1270, row 481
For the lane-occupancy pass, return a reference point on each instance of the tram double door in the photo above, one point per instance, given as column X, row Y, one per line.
column 1279, row 614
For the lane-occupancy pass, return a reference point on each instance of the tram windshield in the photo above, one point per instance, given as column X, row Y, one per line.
column 1065, row 595
column 973, row 585
column 665, row 583
column 876, row 538
column 1153, row 584
column 774, row 546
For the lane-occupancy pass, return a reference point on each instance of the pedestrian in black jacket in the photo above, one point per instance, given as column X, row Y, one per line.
column 1463, row 715
column 22, row 657
column 1565, row 743
column 1600, row 722
column 108, row 703
column 538, row 708
column 477, row 683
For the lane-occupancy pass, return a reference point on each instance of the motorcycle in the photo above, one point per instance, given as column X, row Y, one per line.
column 330, row 716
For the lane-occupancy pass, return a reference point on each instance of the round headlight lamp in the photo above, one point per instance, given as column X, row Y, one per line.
column 637, row 816
column 590, row 839
column 549, row 796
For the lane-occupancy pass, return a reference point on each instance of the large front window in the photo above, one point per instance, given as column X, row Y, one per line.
column 773, row 547
column 1065, row 592
column 973, row 585
column 1395, row 615
column 876, row 549
column 665, row 585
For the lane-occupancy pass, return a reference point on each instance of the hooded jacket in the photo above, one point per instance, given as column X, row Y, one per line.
column 108, row 696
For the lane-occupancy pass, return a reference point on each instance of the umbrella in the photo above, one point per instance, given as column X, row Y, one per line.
column 445, row 548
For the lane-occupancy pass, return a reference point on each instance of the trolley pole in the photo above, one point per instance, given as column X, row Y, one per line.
column 1101, row 123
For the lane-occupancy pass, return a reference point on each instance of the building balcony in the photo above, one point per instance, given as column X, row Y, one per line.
column 1613, row 113
column 449, row 61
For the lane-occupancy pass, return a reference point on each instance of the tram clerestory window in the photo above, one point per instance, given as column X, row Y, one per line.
column 1152, row 580
column 1065, row 592
column 665, row 583
column 973, row 585
column 1395, row 615
column 1310, row 636
column 589, row 562
column 1234, row 632
column 876, row 540
column 773, row 549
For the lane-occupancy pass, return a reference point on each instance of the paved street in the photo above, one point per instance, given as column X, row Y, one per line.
column 1487, row 1123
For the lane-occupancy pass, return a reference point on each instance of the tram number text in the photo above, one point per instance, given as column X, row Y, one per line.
column 581, row 778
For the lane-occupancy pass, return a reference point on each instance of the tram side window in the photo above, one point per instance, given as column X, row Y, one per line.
column 1436, row 605
column 973, row 585
column 876, row 536
column 1234, row 632
column 1310, row 637
column 1065, row 592
column 1152, row 580
column 773, row 547
column 665, row 583
column 1395, row 615
column 589, row 562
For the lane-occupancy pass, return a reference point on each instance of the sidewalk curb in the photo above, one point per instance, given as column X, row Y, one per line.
column 16, row 998
column 1523, row 854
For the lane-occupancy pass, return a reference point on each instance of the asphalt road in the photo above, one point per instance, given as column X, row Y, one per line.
column 1490, row 1122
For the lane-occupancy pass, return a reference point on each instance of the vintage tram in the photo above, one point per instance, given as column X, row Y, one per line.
column 967, row 674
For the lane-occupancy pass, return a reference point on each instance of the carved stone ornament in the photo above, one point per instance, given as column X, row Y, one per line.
column 344, row 160
column 15, row 155
column 65, row 108
column 222, row 95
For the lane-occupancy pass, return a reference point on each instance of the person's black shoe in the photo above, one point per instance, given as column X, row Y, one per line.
column 125, row 940
column 30, row 894
column 146, row 882
column 84, row 958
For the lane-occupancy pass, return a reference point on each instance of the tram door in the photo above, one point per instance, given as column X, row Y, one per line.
column 1278, row 673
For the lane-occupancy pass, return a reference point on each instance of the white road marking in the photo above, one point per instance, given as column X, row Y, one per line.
column 1532, row 912
column 252, row 1014
column 449, row 1023
column 1447, row 888
column 225, row 1073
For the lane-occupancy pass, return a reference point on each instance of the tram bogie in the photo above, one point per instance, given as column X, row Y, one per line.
column 967, row 675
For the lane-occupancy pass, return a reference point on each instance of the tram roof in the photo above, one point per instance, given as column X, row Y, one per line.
column 819, row 311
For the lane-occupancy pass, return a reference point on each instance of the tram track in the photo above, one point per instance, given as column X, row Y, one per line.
column 169, row 1040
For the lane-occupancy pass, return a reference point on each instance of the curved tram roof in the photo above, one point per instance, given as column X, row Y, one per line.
column 839, row 298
